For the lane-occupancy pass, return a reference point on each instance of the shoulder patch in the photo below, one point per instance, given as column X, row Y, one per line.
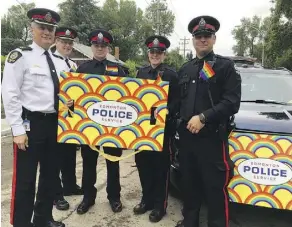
column 25, row 48
column 57, row 56
column 13, row 56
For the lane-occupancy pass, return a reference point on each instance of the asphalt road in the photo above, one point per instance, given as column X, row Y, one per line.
column 101, row 215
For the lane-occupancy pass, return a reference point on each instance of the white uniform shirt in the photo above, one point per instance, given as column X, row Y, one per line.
column 28, row 83
column 73, row 66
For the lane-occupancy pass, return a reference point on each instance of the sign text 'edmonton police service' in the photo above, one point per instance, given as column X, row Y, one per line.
column 112, row 113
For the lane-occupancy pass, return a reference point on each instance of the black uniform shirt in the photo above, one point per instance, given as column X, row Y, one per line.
column 99, row 67
column 225, row 89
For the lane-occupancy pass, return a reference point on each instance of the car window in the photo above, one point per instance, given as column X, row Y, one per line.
column 272, row 87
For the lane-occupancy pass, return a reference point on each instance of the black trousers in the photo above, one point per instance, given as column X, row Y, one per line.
column 68, row 169
column 89, row 173
column 42, row 141
column 206, row 171
column 153, row 168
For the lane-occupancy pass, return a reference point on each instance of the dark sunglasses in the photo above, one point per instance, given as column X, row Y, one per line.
column 155, row 51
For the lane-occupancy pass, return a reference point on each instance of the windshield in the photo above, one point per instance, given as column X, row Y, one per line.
column 271, row 87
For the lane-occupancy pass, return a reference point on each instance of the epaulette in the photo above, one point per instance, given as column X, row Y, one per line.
column 223, row 57
column 187, row 62
column 84, row 63
column 28, row 48
column 57, row 56
column 169, row 68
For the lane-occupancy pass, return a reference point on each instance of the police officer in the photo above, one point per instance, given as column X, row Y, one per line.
column 100, row 40
column 62, row 49
column 210, row 95
column 30, row 96
column 153, row 166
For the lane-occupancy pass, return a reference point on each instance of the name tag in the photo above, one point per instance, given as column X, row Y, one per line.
column 26, row 124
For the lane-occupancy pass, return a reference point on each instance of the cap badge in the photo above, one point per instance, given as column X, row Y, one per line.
column 100, row 36
column 156, row 42
column 202, row 22
column 67, row 32
column 48, row 17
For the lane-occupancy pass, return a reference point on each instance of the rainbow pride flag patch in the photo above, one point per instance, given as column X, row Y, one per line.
column 207, row 72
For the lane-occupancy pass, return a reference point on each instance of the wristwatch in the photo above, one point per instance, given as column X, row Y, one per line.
column 202, row 118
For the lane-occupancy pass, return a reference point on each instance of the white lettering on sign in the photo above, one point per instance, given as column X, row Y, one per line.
column 112, row 113
column 265, row 171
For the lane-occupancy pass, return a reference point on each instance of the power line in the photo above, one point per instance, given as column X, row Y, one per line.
column 184, row 43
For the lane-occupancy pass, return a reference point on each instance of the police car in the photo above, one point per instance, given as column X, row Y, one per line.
column 261, row 144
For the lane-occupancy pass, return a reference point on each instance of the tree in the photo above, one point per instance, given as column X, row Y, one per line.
column 127, row 24
column 174, row 59
column 81, row 15
column 279, row 37
column 9, row 44
column 249, row 36
column 161, row 18
column 15, row 24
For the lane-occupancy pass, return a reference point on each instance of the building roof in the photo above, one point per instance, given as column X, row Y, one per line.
column 86, row 50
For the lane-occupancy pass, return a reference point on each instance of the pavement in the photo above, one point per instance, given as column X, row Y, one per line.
column 5, row 128
column 100, row 215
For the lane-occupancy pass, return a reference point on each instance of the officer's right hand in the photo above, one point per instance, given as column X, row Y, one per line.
column 21, row 141
column 69, row 103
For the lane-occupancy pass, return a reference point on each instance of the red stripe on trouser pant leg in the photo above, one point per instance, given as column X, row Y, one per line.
column 13, row 183
column 226, row 200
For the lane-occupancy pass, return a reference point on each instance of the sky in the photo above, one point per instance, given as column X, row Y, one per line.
column 228, row 12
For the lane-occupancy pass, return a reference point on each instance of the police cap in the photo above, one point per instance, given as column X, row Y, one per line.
column 44, row 16
column 100, row 36
column 157, row 42
column 65, row 33
column 204, row 24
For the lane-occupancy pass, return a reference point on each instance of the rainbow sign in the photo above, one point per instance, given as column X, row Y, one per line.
column 113, row 111
column 263, row 170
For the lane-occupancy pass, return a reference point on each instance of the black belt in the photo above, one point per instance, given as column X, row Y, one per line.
column 40, row 114
column 27, row 113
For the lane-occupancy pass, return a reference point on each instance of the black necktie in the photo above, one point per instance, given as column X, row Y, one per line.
column 67, row 62
column 55, row 80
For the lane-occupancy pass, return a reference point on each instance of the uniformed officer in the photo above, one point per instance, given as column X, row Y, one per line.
column 62, row 49
column 210, row 95
column 30, row 96
column 100, row 40
column 153, row 166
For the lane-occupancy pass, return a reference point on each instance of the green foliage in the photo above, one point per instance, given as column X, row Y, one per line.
column 3, row 58
column 16, row 24
column 249, row 35
column 132, row 66
column 9, row 44
column 82, row 15
column 161, row 18
column 174, row 59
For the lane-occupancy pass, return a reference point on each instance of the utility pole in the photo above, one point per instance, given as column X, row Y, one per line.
column 184, row 43
column 158, row 10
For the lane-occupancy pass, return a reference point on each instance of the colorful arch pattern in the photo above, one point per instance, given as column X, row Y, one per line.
column 244, row 146
column 90, row 89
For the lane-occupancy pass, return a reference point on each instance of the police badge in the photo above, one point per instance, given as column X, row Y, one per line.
column 48, row 17
column 67, row 33
column 155, row 42
column 100, row 36
column 202, row 23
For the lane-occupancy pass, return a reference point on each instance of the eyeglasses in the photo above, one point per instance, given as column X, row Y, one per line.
column 66, row 41
column 155, row 51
